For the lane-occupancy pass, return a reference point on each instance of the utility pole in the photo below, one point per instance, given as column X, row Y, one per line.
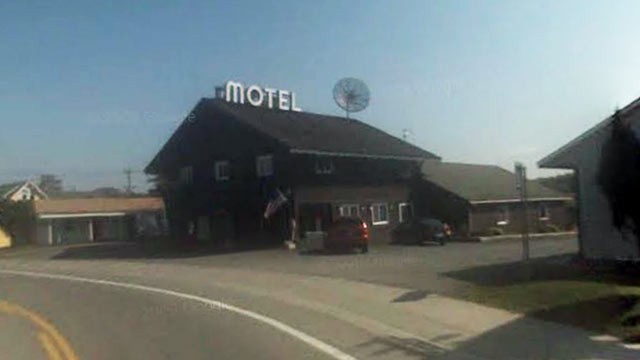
column 521, row 186
column 128, row 172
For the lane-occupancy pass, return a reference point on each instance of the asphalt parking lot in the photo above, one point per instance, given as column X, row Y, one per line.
column 426, row 268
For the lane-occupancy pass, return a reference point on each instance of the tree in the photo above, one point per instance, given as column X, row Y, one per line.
column 619, row 176
column 50, row 184
column 106, row 192
column 565, row 183
column 15, row 215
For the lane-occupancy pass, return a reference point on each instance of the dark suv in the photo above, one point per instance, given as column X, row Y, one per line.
column 420, row 230
column 347, row 233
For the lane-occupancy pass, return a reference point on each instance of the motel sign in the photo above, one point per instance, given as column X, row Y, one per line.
column 235, row 92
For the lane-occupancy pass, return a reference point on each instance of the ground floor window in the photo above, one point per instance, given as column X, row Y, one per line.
column 379, row 214
column 405, row 212
column 503, row 216
column 349, row 210
column 543, row 212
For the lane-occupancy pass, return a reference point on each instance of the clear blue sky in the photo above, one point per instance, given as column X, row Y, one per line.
column 89, row 88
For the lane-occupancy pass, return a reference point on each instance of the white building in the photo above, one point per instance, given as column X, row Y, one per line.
column 598, row 238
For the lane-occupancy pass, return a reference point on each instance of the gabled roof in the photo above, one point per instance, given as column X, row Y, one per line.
column 558, row 158
column 7, row 190
column 97, row 205
column 310, row 133
column 483, row 183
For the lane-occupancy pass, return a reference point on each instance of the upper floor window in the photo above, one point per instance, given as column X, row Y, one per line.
column 222, row 170
column 186, row 175
column 543, row 212
column 26, row 194
column 503, row 216
column 324, row 166
column 405, row 212
column 379, row 214
column 264, row 165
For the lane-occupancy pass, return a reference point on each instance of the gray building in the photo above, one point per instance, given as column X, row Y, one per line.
column 598, row 238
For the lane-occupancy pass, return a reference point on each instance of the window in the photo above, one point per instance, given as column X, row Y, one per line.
column 264, row 165
column 405, row 212
column 543, row 212
column 25, row 194
column 351, row 210
column 324, row 166
column 222, row 170
column 503, row 216
column 379, row 214
column 186, row 175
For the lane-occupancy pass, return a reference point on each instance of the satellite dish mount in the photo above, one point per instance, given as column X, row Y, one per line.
column 351, row 95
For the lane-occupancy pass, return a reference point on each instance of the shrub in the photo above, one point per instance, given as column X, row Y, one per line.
column 550, row 228
column 495, row 231
column 15, row 214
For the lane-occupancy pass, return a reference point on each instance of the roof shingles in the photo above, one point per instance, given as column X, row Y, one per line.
column 97, row 205
column 474, row 182
column 322, row 133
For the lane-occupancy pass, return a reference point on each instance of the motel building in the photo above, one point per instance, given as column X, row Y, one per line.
column 234, row 154
column 87, row 220
column 249, row 163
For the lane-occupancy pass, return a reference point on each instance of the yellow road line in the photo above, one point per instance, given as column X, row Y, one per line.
column 48, row 345
column 52, row 337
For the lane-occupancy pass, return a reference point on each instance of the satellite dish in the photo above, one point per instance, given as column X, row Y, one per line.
column 352, row 95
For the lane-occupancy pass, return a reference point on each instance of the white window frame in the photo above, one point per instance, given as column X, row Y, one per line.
column 345, row 210
column 379, row 221
column 546, row 214
column 25, row 194
column 504, row 221
column 262, row 169
column 323, row 170
column 217, row 170
column 400, row 206
column 186, row 175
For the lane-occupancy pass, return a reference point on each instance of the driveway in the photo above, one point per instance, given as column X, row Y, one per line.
column 415, row 267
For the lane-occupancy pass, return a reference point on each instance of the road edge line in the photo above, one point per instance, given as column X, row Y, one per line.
column 300, row 335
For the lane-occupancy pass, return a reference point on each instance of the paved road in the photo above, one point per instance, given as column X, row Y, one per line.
column 53, row 319
column 431, row 268
column 367, row 321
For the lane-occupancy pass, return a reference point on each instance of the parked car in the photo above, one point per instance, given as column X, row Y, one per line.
column 421, row 230
column 347, row 233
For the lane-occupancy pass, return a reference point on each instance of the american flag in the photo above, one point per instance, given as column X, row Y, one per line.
column 273, row 205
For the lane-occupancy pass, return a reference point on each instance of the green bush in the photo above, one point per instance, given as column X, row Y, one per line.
column 495, row 231
column 550, row 228
column 15, row 214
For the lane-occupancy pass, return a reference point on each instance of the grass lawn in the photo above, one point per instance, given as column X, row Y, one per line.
column 568, row 292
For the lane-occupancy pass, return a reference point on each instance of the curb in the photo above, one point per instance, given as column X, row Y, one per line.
column 517, row 237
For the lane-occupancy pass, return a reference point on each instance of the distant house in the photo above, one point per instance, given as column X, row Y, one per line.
column 21, row 191
column 68, row 221
column 598, row 238
column 227, row 163
column 475, row 199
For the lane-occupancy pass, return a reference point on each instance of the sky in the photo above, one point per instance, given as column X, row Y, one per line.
column 88, row 89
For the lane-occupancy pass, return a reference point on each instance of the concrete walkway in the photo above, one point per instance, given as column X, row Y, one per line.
column 402, row 323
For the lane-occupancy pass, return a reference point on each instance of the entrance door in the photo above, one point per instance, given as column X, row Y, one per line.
column 314, row 217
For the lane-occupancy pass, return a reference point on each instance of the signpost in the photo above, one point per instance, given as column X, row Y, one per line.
column 521, row 186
